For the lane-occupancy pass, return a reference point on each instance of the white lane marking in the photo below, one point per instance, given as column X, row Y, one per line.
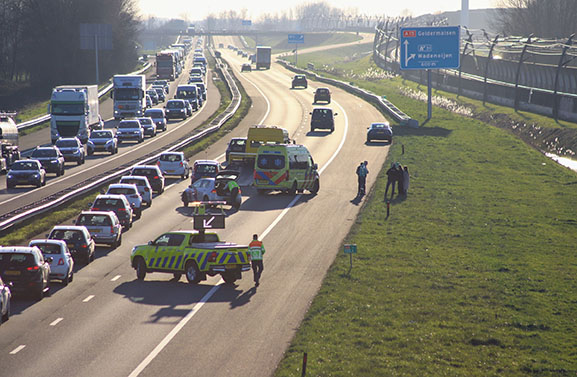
column 109, row 159
column 210, row 293
column 56, row 321
column 88, row 298
column 17, row 349
column 115, row 278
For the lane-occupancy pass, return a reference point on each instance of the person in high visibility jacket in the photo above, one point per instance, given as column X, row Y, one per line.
column 257, row 251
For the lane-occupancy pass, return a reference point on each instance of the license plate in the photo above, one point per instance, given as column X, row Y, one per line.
column 70, row 246
column 231, row 266
column 95, row 230
column 170, row 170
column 12, row 273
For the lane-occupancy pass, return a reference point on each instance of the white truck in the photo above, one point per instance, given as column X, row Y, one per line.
column 129, row 94
column 263, row 57
column 74, row 111
column 8, row 141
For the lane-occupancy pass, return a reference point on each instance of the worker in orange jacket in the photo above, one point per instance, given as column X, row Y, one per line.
column 256, row 249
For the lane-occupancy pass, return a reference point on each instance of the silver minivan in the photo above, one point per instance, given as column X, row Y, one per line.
column 104, row 226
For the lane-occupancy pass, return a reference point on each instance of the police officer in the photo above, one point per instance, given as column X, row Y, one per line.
column 256, row 249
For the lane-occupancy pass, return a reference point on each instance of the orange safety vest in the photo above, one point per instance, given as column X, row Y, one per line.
column 256, row 249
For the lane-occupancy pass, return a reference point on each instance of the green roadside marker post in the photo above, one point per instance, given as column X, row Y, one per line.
column 351, row 249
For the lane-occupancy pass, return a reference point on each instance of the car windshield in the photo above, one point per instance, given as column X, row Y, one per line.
column 108, row 203
column 24, row 165
column 175, row 105
column 121, row 191
column 128, row 125
column 322, row 113
column 94, row 220
column 48, row 248
column 44, row 153
column 101, row 135
column 270, row 162
column 170, row 157
column 66, row 143
column 144, row 121
column 205, row 169
column 133, row 181
column 67, row 235
column 16, row 260
column 145, row 172
column 154, row 113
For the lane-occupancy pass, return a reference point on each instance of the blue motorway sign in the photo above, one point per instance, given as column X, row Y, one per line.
column 430, row 47
column 246, row 22
column 296, row 38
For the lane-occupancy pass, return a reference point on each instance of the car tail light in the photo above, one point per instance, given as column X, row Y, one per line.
column 212, row 257
column 181, row 164
column 158, row 162
column 61, row 262
column 36, row 268
column 122, row 209
column 111, row 229
column 95, row 209
column 254, row 175
column 84, row 246
column 156, row 177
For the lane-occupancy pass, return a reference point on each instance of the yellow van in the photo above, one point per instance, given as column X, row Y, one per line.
column 285, row 167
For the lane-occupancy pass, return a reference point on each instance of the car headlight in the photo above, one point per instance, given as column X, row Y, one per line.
column 36, row 175
column 9, row 176
column 54, row 161
column 109, row 142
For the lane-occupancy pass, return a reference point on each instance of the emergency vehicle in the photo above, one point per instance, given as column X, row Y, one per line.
column 257, row 136
column 285, row 167
column 195, row 254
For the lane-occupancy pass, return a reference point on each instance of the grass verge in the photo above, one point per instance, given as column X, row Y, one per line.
column 471, row 275
column 279, row 43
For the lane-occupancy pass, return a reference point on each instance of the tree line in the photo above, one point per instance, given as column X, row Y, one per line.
column 40, row 40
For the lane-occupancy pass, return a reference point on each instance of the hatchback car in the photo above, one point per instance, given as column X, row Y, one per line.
column 154, row 175
column 26, row 268
column 202, row 88
column 62, row 265
column 149, row 102
column 322, row 94
column 246, row 67
column 130, row 130
column 299, row 80
column 142, row 185
column 104, row 226
column 102, row 141
column 72, row 149
column 163, row 83
column 131, row 193
column 153, row 96
column 214, row 189
column 380, row 131
column 148, row 125
column 117, row 204
column 176, row 108
column 158, row 117
column 26, row 172
column 323, row 117
column 236, row 145
column 174, row 163
column 204, row 169
column 5, row 301
column 51, row 159
column 78, row 240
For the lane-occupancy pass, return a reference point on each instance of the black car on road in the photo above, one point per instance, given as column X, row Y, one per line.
column 300, row 80
column 26, row 268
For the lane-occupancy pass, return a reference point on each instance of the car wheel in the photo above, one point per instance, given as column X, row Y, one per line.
column 192, row 272
column 293, row 190
column 140, row 269
column 316, row 186
column 59, row 172
column 66, row 280
column 5, row 317
column 228, row 277
column 90, row 153
column 10, row 185
column 39, row 184
column 138, row 213
column 39, row 294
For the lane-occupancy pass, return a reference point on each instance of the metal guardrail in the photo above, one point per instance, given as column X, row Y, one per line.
column 382, row 103
column 101, row 93
column 34, row 209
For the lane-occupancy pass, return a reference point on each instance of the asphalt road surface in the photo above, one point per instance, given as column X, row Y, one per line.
column 107, row 323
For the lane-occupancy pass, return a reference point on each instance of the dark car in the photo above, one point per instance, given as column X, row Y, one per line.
column 202, row 88
column 51, row 159
column 160, row 93
column 322, row 94
column 323, row 117
column 236, row 144
column 72, row 149
column 176, row 108
column 26, row 172
column 26, row 268
column 300, row 80
column 380, row 131
column 158, row 118
column 5, row 299
column 246, row 67
column 154, row 175
column 148, row 125
column 153, row 96
column 118, row 204
column 78, row 240
column 102, row 141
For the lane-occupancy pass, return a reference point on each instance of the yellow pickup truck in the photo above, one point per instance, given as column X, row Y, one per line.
column 191, row 253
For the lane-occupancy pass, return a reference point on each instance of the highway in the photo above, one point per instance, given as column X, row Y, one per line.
column 107, row 323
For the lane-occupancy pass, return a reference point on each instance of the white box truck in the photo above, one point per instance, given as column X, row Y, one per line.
column 74, row 111
column 129, row 94
column 263, row 57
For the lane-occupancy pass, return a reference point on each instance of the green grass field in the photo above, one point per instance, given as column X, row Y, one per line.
column 473, row 274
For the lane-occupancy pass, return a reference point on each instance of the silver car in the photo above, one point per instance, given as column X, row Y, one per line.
column 62, row 265
column 131, row 193
column 104, row 226
column 174, row 163
column 144, row 188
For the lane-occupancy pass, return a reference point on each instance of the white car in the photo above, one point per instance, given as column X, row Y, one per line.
column 130, row 130
column 214, row 189
column 143, row 186
column 174, row 163
column 104, row 226
column 131, row 193
column 62, row 265
column 5, row 297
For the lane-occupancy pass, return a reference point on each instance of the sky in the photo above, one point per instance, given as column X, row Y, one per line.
column 199, row 10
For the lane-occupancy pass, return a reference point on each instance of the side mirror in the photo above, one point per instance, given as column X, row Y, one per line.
column 316, row 166
column 310, row 113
